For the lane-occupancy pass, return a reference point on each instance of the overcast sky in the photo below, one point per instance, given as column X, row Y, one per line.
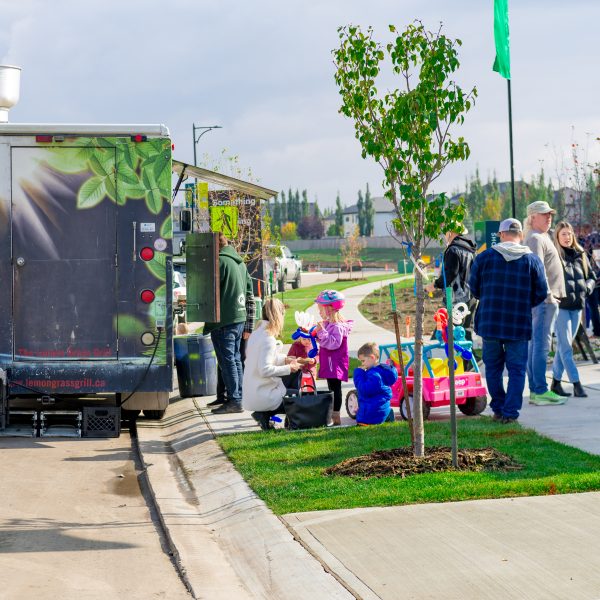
column 262, row 69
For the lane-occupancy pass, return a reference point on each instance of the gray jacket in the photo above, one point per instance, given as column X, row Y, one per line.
column 542, row 245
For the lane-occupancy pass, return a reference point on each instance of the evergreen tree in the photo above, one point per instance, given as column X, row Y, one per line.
column 360, row 207
column 304, row 204
column 317, row 210
column 297, row 207
column 369, row 214
column 291, row 207
column 284, row 209
column 339, row 216
column 276, row 213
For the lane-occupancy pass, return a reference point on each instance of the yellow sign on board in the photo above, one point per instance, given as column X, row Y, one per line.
column 202, row 195
column 224, row 219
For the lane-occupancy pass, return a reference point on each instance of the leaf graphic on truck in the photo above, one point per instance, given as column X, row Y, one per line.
column 91, row 193
column 158, row 265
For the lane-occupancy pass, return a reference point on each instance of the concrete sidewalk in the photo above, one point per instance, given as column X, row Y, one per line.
column 230, row 545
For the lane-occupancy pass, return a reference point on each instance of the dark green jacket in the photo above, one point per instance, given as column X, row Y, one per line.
column 235, row 284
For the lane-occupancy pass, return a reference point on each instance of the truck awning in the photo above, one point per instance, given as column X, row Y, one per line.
column 256, row 191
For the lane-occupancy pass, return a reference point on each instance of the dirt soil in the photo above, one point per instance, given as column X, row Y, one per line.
column 377, row 308
column 401, row 462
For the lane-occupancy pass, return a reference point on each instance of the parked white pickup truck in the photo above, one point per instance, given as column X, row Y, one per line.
column 286, row 268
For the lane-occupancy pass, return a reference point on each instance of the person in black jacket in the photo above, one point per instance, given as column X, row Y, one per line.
column 579, row 283
column 456, row 266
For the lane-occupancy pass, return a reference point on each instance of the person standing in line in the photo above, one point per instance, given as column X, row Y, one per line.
column 508, row 280
column 537, row 226
column 332, row 335
column 579, row 283
column 592, row 248
column 456, row 267
column 226, row 335
column 248, row 329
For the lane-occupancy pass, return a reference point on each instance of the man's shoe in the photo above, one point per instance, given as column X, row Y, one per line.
column 228, row 407
column 557, row 388
column 578, row 390
column 550, row 395
column 509, row 421
column 216, row 402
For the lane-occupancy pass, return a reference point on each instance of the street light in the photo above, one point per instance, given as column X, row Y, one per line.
column 202, row 130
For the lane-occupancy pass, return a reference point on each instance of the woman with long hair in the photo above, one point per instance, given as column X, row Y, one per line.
column 262, row 387
column 579, row 283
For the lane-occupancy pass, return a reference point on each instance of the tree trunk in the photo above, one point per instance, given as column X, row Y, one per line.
column 419, row 448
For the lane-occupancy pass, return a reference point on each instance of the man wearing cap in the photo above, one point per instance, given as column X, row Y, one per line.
column 537, row 225
column 508, row 280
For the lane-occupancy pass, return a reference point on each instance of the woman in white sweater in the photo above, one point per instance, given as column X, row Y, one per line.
column 262, row 388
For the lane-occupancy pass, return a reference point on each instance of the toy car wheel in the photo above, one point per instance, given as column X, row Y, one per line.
column 426, row 409
column 473, row 406
column 352, row 404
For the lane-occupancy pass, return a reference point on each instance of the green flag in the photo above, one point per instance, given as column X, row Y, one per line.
column 502, row 62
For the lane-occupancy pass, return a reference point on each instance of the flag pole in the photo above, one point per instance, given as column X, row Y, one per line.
column 512, row 162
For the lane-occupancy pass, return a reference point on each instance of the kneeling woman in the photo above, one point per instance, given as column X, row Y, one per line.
column 266, row 363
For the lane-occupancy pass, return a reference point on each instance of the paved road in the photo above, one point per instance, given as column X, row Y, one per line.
column 75, row 525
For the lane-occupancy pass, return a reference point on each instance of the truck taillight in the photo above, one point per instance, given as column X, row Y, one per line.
column 138, row 138
column 146, row 253
column 147, row 296
column 44, row 139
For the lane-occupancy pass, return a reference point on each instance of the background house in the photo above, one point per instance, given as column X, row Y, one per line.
column 382, row 220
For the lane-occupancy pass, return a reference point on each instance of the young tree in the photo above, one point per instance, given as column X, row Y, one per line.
column 351, row 249
column 407, row 132
column 317, row 210
column 339, row 216
column 369, row 214
column 360, row 207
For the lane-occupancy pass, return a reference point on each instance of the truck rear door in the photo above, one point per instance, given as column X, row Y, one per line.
column 63, row 254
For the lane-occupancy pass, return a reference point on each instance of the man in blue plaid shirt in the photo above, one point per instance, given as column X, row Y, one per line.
column 508, row 280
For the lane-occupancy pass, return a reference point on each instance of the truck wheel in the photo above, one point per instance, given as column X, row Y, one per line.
column 281, row 283
column 154, row 414
column 352, row 404
column 473, row 406
column 426, row 409
column 298, row 282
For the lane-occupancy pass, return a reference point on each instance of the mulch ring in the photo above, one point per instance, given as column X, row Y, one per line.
column 401, row 462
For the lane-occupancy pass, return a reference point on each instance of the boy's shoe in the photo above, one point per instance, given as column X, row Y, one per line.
column 531, row 396
column 509, row 421
column 497, row 417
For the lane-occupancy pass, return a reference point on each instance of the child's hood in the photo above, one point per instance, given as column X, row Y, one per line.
column 344, row 326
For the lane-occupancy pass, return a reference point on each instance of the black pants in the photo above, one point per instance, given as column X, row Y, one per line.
column 221, row 391
column 335, row 386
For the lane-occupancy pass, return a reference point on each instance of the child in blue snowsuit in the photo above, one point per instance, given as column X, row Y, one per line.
column 373, row 383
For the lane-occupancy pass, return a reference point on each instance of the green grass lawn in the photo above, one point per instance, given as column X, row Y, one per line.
column 285, row 468
column 302, row 298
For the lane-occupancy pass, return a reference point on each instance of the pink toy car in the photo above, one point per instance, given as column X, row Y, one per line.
column 471, row 393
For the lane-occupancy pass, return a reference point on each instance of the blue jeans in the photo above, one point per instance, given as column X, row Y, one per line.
column 496, row 355
column 226, row 341
column 567, row 324
column 544, row 316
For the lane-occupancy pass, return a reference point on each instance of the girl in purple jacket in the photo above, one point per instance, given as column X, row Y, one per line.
column 332, row 334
